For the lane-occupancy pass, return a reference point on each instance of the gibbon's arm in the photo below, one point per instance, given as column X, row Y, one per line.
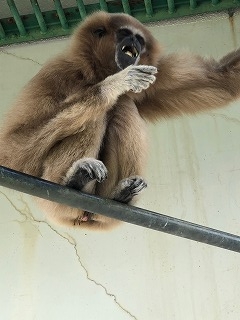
column 187, row 84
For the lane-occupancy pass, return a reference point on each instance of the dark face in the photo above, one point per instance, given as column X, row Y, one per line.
column 130, row 46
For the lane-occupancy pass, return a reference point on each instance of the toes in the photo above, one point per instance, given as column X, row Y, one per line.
column 84, row 171
column 128, row 188
column 95, row 169
column 137, row 185
column 100, row 171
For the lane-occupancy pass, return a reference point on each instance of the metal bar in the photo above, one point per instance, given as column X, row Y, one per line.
column 58, row 193
column 82, row 9
column 193, row 4
column 149, row 7
column 126, row 6
column 2, row 32
column 17, row 17
column 103, row 5
column 39, row 16
column 61, row 14
column 171, row 6
column 56, row 30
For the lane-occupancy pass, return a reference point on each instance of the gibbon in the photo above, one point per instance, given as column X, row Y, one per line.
column 80, row 121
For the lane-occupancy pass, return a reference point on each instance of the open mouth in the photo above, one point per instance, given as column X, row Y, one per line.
column 131, row 51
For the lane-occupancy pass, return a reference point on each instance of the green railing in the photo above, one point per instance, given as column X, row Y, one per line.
column 61, row 21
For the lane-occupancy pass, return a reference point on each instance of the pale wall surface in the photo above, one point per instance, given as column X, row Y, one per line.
column 50, row 273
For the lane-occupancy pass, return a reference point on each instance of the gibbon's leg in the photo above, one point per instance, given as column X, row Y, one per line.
column 187, row 84
column 62, row 167
column 124, row 154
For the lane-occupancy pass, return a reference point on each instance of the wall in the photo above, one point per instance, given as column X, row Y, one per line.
column 50, row 272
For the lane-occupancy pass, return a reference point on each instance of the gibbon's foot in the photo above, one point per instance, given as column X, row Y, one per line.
column 139, row 77
column 128, row 188
column 83, row 171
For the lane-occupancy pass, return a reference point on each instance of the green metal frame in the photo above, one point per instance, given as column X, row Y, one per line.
column 61, row 21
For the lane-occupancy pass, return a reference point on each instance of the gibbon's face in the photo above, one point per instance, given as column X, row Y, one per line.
column 130, row 45
column 115, row 41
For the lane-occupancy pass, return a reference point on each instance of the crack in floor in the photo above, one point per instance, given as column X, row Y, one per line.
column 25, row 214
column 19, row 57
column 28, row 217
column 73, row 242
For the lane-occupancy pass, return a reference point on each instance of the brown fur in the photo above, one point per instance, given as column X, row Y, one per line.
column 79, row 106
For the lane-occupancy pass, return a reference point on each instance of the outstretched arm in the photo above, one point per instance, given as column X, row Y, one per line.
column 187, row 84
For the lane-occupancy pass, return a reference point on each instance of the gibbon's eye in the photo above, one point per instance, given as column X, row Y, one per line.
column 100, row 32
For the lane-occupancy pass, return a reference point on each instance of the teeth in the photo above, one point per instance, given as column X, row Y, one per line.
column 133, row 53
column 129, row 53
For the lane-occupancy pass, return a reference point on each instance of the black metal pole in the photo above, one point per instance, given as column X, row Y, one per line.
column 58, row 193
